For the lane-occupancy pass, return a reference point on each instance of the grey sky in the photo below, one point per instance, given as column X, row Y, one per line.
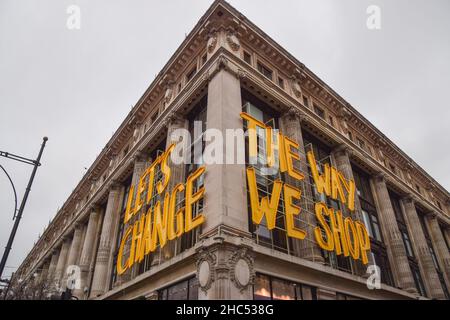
column 77, row 86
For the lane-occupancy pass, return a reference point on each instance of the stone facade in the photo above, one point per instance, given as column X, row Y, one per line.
column 224, row 260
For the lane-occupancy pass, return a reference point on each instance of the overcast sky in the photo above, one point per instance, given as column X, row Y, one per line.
column 76, row 86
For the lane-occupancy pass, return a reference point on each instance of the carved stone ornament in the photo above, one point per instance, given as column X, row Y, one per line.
column 242, row 273
column 206, row 263
column 168, row 94
column 212, row 42
column 233, row 41
column 296, row 88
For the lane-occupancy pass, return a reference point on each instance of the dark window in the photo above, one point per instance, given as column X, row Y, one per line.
column 191, row 74
column 417, row 188
column 432, row 253
column 322, row 154
column 331, row 120
column 271, row 288
column 184, row 290
column 350, row 136
column 247, row 58
column 281, row 83
column 305, row 101
column 265, row 71
column 204, row 58
column 344, row 296
column 319, row 111
column 371, row 221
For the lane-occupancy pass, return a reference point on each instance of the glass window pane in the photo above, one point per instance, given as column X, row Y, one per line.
column 283, row 290
column 262, row 288
column 178, row 291
column 307, row 293
column 193, row 289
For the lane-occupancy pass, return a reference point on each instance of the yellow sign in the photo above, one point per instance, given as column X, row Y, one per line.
column 161, row 222
column 344, row 236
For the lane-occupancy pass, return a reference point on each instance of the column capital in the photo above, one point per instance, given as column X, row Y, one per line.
column 431, row 215
column 342, row 148
column 379, row 177
column 94, row 207
column 139, row 156
column 114, row 186
column 409, row 198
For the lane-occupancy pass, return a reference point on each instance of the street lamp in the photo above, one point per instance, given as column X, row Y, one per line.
column 36, row 163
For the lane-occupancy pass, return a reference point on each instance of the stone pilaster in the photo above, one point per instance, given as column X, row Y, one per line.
column 342, row 161
column 393, row 239
column 442, row 251
column 306, row 248
column 52, row 266
column 105, row 253
column 61, row 265
column 73, row 254
column 175, row 122
column 87, row 253
column 429, row 274
column 225, row 200
column 225, row 272
column 140, row 164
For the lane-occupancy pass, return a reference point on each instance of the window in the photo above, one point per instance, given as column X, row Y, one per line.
column 344, row 296
column 265, row 71
column 305, row 101
column 281, row 83
column 204, row 59
column 271, row 288
column 322, row 154
column 184, row 290
column 392, row 168
column 417, row 188
column 319, row 111
column 125, row 150
column 432, row 253
column 247, row 58
column 331, row 120
column 191, row 74
column 371, row 221
column 277, row 238
column 154, row 117
column 350, row 136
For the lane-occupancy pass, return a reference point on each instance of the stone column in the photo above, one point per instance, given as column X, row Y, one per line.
column 429, row 274
column 87, row 252
column 341, row 157
column 446, row 232
column 60, row 266
column 306, row 248
column 140, row 164
column 52, row 266
column 225, row 199
column 175, row 122
column 442, row 251
column 73, row 254
column 393, row 239
column 105, row 254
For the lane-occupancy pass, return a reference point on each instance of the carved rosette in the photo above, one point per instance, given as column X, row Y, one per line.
column 206, row 264
column 241, row 268
column 233, row 40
